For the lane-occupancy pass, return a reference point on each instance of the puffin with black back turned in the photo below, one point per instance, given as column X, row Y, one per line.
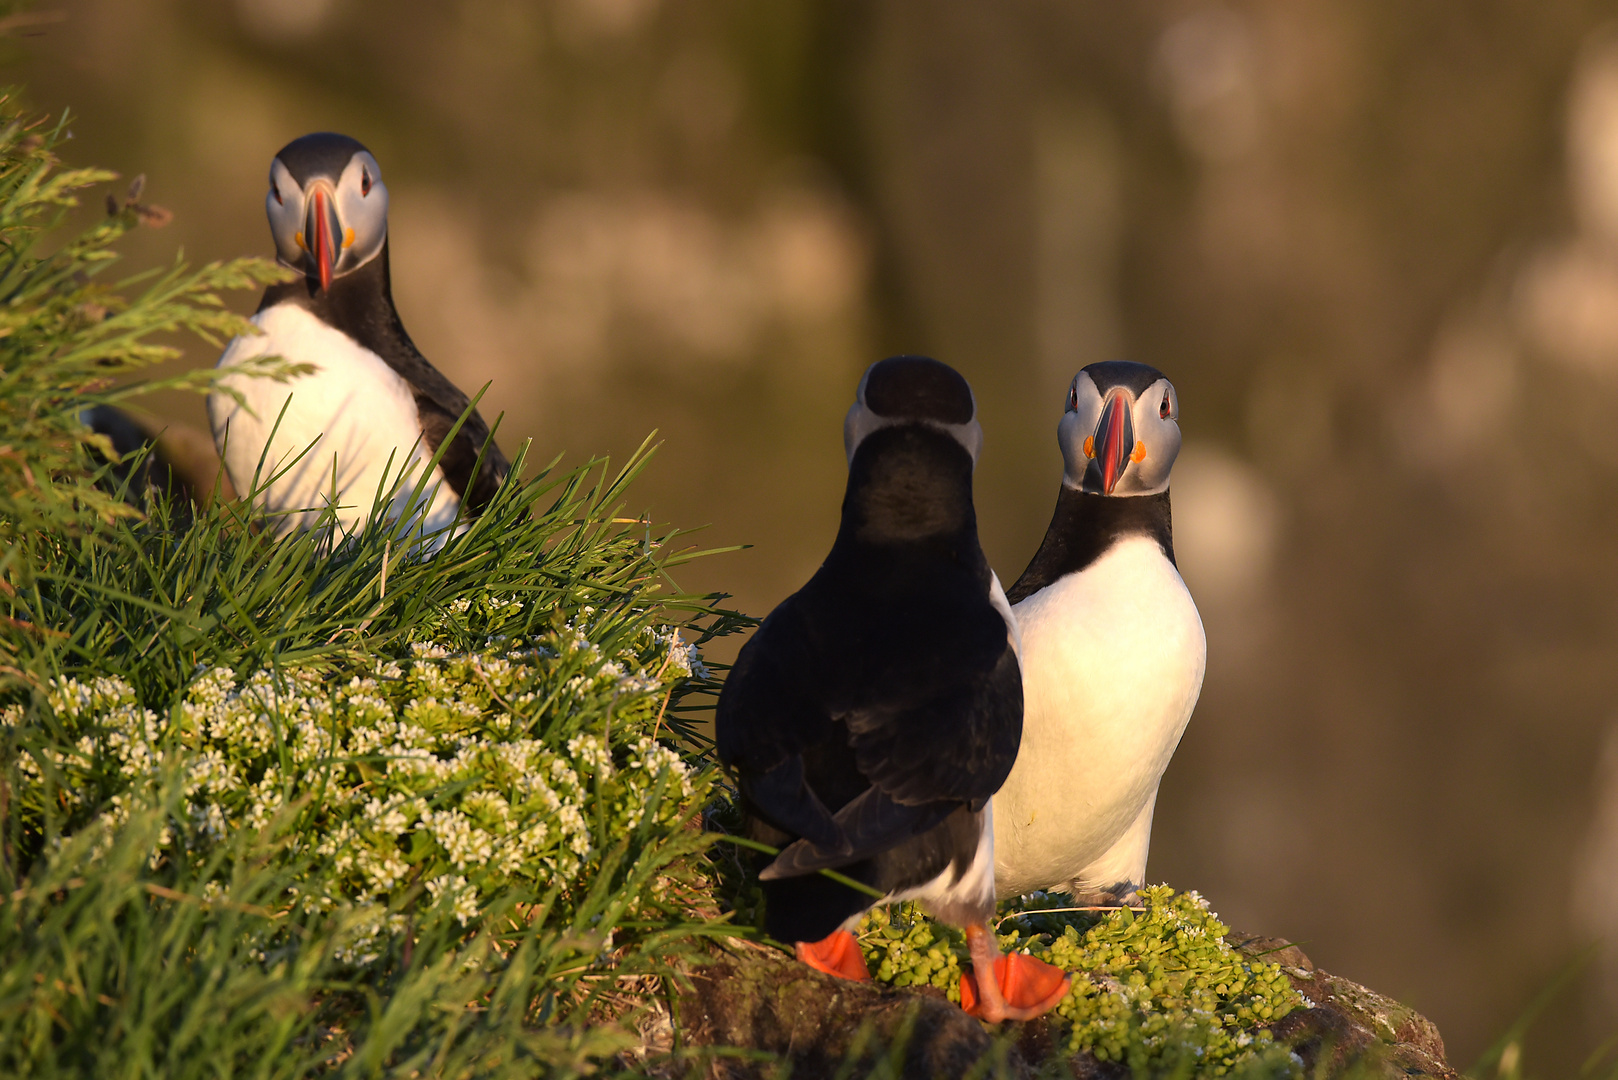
column 1113, row 650
column 877, row 709
column 374, row 409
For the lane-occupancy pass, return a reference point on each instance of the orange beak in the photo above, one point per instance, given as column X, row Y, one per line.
column 321, row 229
column 1114, row 441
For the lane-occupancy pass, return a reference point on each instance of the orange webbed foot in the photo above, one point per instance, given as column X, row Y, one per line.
column 1019, row 988
column 837, row 954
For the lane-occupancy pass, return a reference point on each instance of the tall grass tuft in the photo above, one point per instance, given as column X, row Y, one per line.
column 323, row 804
column 69, row 340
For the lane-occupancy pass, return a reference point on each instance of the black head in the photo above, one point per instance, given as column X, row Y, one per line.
column 323, row 153
column 913, row 390
column 327, row 206
column 1122, row 374
column 917, row 388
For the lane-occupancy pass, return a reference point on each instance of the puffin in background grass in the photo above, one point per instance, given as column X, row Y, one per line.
column 178, row 463
column 1113, row 650
column 876, row 710
column 373, row 409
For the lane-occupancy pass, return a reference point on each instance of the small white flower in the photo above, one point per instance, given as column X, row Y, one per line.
column 591, row 750
column 462, row 841
column 683, row 660
column 464, row 898
column 489, row 803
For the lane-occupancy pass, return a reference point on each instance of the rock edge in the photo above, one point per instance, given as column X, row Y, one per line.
column 756, row 998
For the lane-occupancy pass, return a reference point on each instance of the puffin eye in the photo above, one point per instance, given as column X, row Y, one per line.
column 365, row 182
column 276, row 191
column 1072, row 399
column 1163, row 410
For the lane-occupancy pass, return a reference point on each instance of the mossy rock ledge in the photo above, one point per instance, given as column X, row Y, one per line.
column 754, row 997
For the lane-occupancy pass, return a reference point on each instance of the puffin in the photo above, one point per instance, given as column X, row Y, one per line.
column 178, row 463
column 875, row 712
column 374, row 410
column 1113, row 650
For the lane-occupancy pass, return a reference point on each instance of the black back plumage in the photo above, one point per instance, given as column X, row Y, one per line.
column 360, row 304
column 1084, row 526
column 878, row 708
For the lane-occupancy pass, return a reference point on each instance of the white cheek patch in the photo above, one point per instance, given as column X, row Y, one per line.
column 1158, row 443
column 1076, row 426
column 1087, row 410
column 285, row 214
column 364, row 214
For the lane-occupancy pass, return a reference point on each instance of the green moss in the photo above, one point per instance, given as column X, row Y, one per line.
column 1159, row 989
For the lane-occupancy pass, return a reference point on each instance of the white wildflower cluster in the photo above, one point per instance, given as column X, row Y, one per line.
column 462, row 897
column 428, row 650
column 626, row 673
column 366, row 929
column 655, row 759
column 492, row 609
column 592, row 750
column 71, row 699
column 438, row 778
column 683, row 660
column 659, row 765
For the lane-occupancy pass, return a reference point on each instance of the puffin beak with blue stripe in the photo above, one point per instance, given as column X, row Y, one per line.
column 877, row 709
column 1113, row 649
column 373, row 414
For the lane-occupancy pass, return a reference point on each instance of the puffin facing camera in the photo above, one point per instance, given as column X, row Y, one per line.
column 373, row 426
column 1113, row 650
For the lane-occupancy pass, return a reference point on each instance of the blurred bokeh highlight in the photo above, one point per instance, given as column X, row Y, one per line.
column 1375, row 244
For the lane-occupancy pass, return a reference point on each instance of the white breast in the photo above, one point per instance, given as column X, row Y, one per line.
column 1112, row 661
column 354, row 415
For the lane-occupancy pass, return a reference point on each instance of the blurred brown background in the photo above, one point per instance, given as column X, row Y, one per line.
column 1375, row 244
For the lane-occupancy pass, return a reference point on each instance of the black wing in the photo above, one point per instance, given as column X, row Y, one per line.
column 856, row 738
column 958, row 744
column 768, row 716
column 439, row 404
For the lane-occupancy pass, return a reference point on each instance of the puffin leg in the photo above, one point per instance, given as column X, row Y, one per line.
column 1015, row 987
column 1121, row 894
column 836, row 954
